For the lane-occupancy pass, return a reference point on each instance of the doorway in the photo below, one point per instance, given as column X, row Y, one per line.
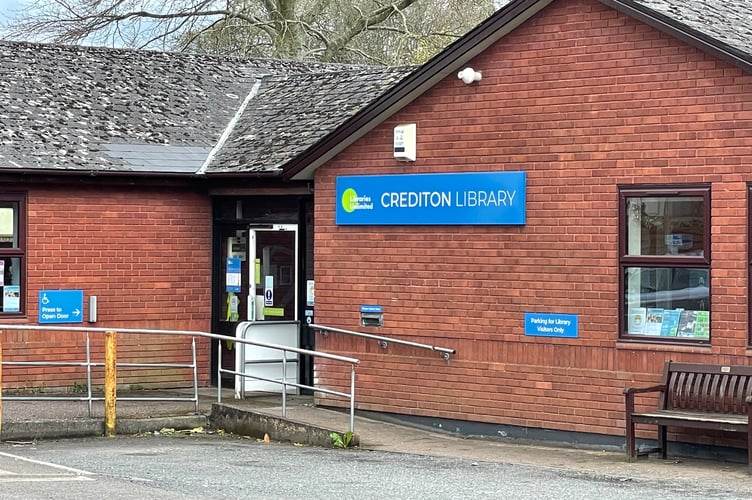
column 262, row 269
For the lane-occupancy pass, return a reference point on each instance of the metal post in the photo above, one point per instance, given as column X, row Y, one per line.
column 284, row 384
column 219, row 370
column 88, row 374
column 110, row 382
column 352, row 398
column 240, row 363
column 195, row 373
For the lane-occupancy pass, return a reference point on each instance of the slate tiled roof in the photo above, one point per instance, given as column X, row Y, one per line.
column 726, row 21
column 97, row 109
column 292, row 112
column 60, row 105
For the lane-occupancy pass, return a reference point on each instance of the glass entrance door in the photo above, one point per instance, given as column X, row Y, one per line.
column 273, row 289
column 272, row 310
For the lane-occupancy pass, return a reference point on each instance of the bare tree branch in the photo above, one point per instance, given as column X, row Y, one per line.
column 393, row 32
column 364, row 23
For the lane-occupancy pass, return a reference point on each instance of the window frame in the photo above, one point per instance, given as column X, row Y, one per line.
column 18, row 252
column 749, row 264
column 661, row 261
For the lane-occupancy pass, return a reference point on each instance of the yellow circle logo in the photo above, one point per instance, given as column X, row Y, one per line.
column 349, row 200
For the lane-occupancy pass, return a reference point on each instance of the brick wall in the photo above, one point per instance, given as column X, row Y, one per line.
column 583, row 99
column 145, row 253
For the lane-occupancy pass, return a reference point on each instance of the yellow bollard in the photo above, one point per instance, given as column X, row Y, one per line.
column 110, row 382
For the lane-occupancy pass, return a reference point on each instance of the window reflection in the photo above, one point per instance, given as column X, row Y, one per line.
column 665, row 225
column 668, row 302
column 8, row 226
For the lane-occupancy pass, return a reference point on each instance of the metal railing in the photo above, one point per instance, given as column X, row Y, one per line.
column 88, row 365
column 384, row 341
column 242, row 330
column 90, row 398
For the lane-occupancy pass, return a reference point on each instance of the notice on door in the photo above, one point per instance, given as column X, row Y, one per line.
column 268, row 291
column 232, row 275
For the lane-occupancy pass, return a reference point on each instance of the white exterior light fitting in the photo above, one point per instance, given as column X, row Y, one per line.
column 469, row 75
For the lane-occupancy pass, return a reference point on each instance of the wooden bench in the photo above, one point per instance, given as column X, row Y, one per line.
column 694, row 395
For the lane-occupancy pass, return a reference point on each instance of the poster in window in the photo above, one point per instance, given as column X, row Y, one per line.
column 687, row 324
column 670, row 325
column 653, row 321
column 636, row 323
column 702, row 325
column 11, row 298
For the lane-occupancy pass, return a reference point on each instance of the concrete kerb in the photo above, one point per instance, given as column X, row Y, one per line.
column 234, row 419
column 33, row 430
column 259, row 424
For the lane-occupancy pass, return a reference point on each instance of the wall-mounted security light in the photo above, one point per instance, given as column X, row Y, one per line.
column 469, row 75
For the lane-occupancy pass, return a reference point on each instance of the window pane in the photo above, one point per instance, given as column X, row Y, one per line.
column 667, row 302
column 659, row 225
column 10, row 282
column 9, row 225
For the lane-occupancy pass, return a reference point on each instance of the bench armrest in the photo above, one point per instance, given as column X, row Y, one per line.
column 629, row 396
column 635, row 390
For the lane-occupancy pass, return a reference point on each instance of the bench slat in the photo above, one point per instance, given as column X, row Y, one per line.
column 684, row 416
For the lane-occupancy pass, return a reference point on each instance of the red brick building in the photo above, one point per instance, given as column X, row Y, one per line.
column 607, row 108
column 617, row 130
column 129, row 177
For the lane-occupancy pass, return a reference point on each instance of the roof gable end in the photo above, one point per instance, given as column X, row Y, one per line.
column 718, row 27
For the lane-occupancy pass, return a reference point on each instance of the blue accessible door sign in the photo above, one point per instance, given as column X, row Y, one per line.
column 61, row 306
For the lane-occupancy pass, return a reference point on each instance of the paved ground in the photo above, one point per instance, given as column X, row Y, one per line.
column 230, row 467
column 390, row 437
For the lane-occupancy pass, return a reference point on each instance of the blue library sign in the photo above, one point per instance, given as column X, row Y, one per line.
column 551, row 325
column 475, row 198
column 61, row 306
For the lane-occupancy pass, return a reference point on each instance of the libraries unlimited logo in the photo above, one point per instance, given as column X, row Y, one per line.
column 349, row 200
column 352, row 202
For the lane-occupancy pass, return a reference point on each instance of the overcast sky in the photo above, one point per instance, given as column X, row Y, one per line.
column 8, row 8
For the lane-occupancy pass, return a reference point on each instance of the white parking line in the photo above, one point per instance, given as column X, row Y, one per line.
column 42, row 479
column 66, row 473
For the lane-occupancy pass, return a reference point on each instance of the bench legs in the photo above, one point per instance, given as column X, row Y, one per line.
column 662, row 440
column 631, row 450
column 662, row 433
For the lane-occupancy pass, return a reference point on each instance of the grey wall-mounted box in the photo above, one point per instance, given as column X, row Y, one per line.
column 371, row 315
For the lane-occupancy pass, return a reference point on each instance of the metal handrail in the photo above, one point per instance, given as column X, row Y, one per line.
column 285, row 349
column 88, row 365
column 220, row 338
column 384, row 341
